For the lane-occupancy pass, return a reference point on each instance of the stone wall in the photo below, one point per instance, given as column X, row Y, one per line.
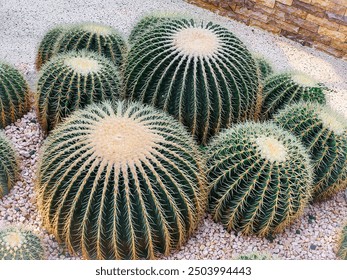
column 316, row 23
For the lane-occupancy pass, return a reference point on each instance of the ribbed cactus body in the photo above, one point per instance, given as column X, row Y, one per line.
column 283, row 89
column 324, row 133
column 120, row 181
column 98, row 38
column 198, row 72
column 72, row 81
column 14, row 95
column 9, row 169
column 260, row 178
column 342, row 247
column 264, row 67
column 20, row 244
column 47, row 46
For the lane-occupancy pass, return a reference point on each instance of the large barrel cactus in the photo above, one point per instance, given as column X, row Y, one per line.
column 260, row 178
column 98, row 38
column 20, row 244
column 9, row 167
column 324, row 133
column 14, row 95
column 283, row 89
column 71, row 81
column 121, row 181
column 198, row 72
column 342, row 245
column 47, row 46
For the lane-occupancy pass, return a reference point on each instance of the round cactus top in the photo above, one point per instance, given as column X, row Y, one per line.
column 82, row 65
column 304, row 80
column 99, row 29
column 332, row 120
column 122, row 139
column 13, row 239
column 196, row 41
column 271, row 149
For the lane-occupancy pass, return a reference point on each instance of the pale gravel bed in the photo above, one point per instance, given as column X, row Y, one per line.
column 313, row 236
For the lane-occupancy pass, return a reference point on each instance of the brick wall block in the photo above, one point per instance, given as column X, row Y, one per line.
column 342, row 19
column 328, row 49
column 336, row 35
column 291, row 10
column 287, row 2
column 302, row 23
column 271, row 28
column 322, row 22
column 317, row 11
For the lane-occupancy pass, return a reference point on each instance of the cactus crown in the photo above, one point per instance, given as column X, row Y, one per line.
column 71, row 81
column 120, row 181
column 198, row 72
column 324, row 133
column 283, row 89
column 14, row 95
column 20, row 244
column 260, row 178
column 94, row 37
column 9, row 167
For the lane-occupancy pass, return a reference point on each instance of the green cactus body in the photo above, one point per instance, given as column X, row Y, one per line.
column 260, row 178
column 14, row 95
column 264, row 67
column 254, row 256
column 71, row 81
column 324, row 133
column 283, row 89
column 47, row 46
column 9, row 167
column 121, row 181
column 20, row 244
column 101, row 39
column 342, row 247
column 199, row 73
column 148, row 23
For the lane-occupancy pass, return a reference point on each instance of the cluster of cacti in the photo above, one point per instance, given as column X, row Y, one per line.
column 20, row 244
column 14, row 95
column 260, row 178
column 283, row 89
column 342, row 246
column 9, row 167
column 264, row 67
column 198, row 72
column 98, row 38
column 324, row 133
column 47, row 46
column 121, row 181
column 71, row 81
column 254, row 256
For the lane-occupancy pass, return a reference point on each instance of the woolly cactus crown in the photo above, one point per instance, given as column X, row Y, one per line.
column 71, row 81
column 14, row 95
column 20, row 244
column 283, row 89
column 98, row 38
column 120, row 181
column 9, row 167
column 324, row 133
column 260, row 178
column 198, row 72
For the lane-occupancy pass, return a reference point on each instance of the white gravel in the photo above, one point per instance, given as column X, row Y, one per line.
column 22, row 25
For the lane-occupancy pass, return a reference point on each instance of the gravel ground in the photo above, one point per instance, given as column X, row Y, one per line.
column 23, row 24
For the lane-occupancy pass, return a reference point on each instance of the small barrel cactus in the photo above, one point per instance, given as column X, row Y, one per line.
column 198, row 72
column 98, row 38
column 121, row 181
column 342, row 247
column 72, row 80
column 264, row 67
column 283, row 89
column 254, row 256
column 9, row 167
column 14, row 95
column 20, row 244
column 324, row 133
column 148, row 23
column 260, row 178
column 47, row 46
